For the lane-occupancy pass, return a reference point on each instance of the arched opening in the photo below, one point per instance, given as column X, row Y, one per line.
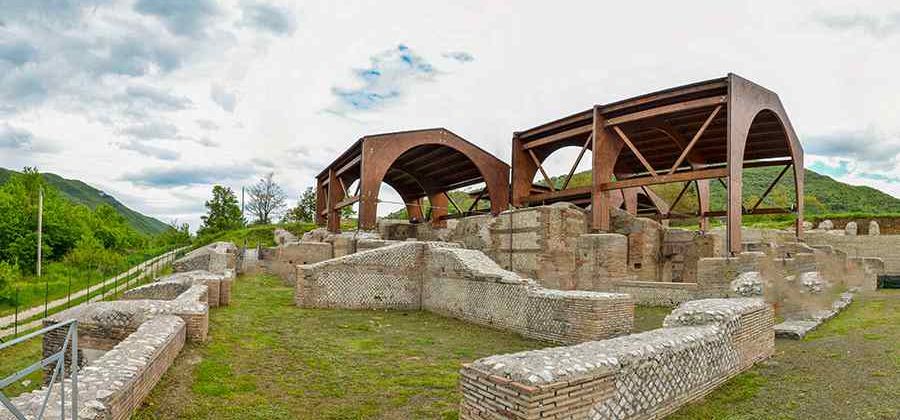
column 421, row 166
column 770, row 191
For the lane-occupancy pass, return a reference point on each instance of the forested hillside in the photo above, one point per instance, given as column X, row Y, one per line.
column 823, row 194
column 81, row 193
column 79, row 244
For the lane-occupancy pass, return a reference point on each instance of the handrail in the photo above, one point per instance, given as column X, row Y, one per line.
column 58, row 371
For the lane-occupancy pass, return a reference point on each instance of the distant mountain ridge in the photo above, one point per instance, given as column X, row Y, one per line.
column 81, row 193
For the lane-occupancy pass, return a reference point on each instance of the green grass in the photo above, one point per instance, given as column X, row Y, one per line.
column 60, row 278
column 849, row 368
column 18, row 357
column 268, row 359
column 253, row 235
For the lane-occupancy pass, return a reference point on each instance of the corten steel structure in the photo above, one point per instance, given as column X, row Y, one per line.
column 692, row 134
column 417, row 164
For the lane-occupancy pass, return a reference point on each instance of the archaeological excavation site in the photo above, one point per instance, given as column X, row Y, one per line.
column 565, row 273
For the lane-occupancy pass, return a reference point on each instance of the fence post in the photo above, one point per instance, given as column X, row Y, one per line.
column 16, row 317
column 46, row 296
column 69, row 293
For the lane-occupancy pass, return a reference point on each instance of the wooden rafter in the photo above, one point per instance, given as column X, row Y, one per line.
column 346, row 202
column 477, row 199
column 665, row 179
column 449, row 198
column 666, row 109
column 578, row 160
column 343, row 186
column 541, row 168
column 558, row 136
column 694, row 140
column 680, row 194
column 771, row 187
column 634, row 150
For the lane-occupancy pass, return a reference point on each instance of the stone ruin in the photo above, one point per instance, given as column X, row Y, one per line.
column 464, row 284
column 648, row 375
column 215, row 258
column 541, row 273
column 125, row 346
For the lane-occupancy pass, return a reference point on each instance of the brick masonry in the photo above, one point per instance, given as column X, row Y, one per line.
column 886, row 225
column 643, row 376
column 125, row 346
column 215, row 258
column 114, row 385
column 282, row 261
column 882, row 246
column 461, row 283
column 171, row 286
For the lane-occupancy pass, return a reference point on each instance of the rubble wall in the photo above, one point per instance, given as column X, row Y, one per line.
column 642, row 376
column 113, row 386
column 461, row 283
column 881, row 246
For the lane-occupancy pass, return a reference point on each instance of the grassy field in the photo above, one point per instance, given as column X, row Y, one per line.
column 268, row 359
column 847, row 369
column 334, row 364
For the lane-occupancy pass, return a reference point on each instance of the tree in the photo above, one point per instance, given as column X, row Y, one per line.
column 306, row 207
column 267, row 199
column 223, row 212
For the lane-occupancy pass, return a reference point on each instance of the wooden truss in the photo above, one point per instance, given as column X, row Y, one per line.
column 690, row 134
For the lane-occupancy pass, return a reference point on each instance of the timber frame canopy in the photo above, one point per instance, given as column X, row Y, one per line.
column 692, row 134
column 417, row 164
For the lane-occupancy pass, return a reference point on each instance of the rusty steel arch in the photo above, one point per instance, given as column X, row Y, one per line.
column 417, row 164
column 695, row 133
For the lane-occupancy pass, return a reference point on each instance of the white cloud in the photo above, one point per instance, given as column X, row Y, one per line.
column 226, row 91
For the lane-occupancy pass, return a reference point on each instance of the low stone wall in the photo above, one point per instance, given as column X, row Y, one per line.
column 464, row 284
column 114, row 385
column 282, row 261
column 467, row 285
column 215, row 258
column 655, row 293
column 643, row 376
column 883, row 246
column 171, row 286
column 886, row 225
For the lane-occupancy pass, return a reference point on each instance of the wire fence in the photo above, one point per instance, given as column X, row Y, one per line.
column 26, row 319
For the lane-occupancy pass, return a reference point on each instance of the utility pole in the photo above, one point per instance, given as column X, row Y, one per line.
column 40, row 227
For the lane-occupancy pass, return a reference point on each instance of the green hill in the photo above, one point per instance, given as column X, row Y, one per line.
column 81, row 193
column 823, row 194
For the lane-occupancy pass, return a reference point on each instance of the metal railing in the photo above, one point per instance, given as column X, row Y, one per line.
column 25, row 318
column 59, row 370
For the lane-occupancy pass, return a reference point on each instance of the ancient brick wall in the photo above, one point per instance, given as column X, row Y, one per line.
column 464, row 284
column 172, row 286
column 642, row 376
column 886, row 225
column 883, row 246
column 282, row 261
column 114, row 385
column 539, row 242
column 375, row 279
column 655, row 293
column 215, row 258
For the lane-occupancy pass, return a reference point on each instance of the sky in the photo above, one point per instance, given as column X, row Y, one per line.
column 155, row 101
